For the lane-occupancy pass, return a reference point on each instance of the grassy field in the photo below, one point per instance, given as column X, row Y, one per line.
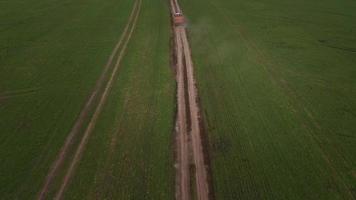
column 277, row 85
column 276, row 81
column 51, row 53
column 129, row 155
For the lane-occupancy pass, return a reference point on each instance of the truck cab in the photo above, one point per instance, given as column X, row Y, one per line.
column 178, row 19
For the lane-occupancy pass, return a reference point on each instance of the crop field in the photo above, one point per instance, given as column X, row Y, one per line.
column 51, row 55
column 277, row 85
column 178, row 99
column 129, row 155
column 49, row 62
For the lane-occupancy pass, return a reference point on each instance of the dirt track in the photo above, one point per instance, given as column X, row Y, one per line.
column 182, row 138
column 188, row 137
column 197, row 146
column 98, row 89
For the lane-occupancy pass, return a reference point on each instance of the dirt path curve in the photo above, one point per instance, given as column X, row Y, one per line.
column 188, row 120
column 98, row 110
column 84, row 114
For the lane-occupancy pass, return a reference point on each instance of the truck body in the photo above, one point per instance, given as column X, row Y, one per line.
column 178, row 19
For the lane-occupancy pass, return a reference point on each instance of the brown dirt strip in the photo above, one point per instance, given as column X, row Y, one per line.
column 176, row 6
column 202, row 185
column 188, row 122
column 84, row 113
column 97, row 112
column 183, row 188
column 173, row 8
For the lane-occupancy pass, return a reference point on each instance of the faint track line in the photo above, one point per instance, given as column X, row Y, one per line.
column 17, row 93
column 98, row 110
column 89, row 104
column 197, row 145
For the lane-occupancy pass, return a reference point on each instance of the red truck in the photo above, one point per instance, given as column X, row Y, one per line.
column 178, row 19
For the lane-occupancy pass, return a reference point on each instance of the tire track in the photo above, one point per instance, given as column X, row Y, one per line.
column 202, row 185
column 189, row 133
column 183, row 188
column 183, row 180
column 84, row 114
column 98, row 109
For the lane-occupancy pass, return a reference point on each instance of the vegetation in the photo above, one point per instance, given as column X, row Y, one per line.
column 51, row 54
column 129, row 155
column 277, row 85
column 276, row 81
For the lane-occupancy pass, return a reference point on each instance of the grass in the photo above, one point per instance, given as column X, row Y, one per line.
column 129, row 155
column 51, row 53
column 276, row 81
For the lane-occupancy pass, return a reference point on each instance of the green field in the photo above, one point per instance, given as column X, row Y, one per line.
column 54, row 50
column 277, row 85
column 130, row 155
column 51, row 54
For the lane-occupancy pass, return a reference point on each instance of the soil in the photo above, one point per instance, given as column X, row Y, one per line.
column 189, row 136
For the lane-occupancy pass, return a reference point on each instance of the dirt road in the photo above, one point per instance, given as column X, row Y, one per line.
column 183, row 188
column 197, row 145
column 189, row 133
column 84, row 114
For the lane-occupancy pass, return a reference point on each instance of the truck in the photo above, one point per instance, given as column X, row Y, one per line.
column 178, row 19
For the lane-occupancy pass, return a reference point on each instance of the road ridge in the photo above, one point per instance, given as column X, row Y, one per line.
column 84, row 112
